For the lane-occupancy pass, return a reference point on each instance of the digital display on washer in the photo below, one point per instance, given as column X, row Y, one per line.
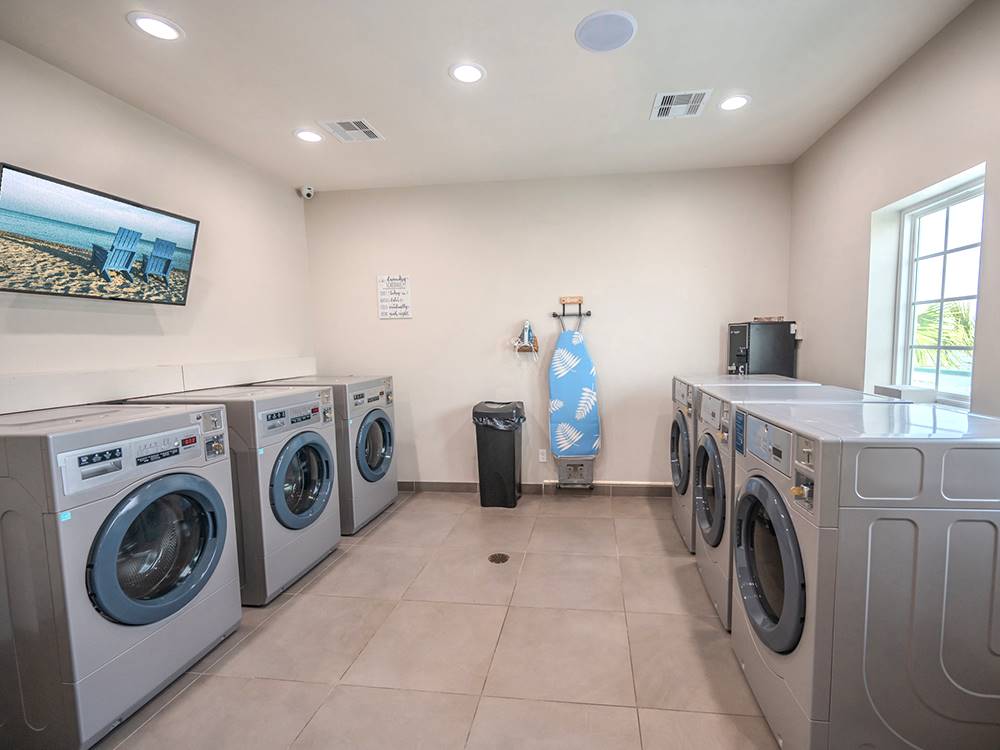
column 99, row 457
column 274, row 416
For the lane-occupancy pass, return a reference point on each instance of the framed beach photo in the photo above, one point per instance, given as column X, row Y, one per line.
column 67, row 240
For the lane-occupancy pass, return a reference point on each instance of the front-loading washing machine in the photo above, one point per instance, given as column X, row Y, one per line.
column 866, row 561
column 118, row 563
column 366, row 439
column 714, row 471
column 284, row 478
column 684, row 437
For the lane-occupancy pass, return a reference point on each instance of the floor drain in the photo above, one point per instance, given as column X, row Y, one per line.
column 499, row 557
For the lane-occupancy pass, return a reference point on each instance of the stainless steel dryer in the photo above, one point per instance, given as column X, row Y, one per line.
column 714, row 470
column 285, row 480
column 117, row 563
column 684, row 439
column 366, row 440
column 866, row 561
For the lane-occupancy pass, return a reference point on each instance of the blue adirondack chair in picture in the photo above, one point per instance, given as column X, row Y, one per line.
column 161, row 261
column 119, row 257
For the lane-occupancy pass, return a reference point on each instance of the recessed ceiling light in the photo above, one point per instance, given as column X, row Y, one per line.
column 738, row 101
column 467, row 72
column 158, row 26
column 606, row 30
column 309, row 136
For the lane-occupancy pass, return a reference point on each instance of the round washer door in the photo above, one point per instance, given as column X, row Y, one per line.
column 302, row 480
column 374, row 447
column 709, row 491
column 680, row 452
column 157, row 549
column 768, row 565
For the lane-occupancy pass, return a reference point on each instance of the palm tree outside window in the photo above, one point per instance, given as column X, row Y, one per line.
column 940, row 286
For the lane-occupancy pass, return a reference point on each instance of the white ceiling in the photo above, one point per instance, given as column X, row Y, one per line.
column 249, row 72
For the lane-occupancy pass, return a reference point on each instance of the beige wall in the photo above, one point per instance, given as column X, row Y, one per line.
column 938, row 115
column 664, row 261
column 247, row 298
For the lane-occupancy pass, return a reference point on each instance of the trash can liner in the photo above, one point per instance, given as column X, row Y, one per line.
column 505, row 416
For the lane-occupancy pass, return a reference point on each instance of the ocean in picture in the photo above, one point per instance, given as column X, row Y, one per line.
column 61, row 239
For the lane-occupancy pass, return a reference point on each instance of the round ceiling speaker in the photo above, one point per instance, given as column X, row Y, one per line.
column 606, row 30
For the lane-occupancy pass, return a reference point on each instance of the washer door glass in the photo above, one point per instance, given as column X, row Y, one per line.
column 302, row 480
column 709, row 491
column 680, row 452
column 375, row 445
column 157, row 549
column 768, row 565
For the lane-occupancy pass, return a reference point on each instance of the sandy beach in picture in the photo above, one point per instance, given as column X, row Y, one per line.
column 33, row 265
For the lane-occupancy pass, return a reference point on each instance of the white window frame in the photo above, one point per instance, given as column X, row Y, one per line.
column 907, row 284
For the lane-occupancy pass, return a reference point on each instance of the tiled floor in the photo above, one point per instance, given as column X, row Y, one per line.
column 595, row 634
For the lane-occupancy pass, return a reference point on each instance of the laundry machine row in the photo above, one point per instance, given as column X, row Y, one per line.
column 366, row 443
column 866, row 560
column 284, row 477
column 684, row 438
column 713, row 477
column 118, row 563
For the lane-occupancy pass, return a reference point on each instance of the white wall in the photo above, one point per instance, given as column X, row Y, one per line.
column 664, row 261
column 247, row 298
column 935, row 117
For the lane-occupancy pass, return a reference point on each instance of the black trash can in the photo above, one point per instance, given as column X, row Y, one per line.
column 498, row 444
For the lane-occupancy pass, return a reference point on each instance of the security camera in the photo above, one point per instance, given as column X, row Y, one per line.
column 307, row 192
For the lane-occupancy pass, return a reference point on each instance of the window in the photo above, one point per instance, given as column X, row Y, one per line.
column 939, row 291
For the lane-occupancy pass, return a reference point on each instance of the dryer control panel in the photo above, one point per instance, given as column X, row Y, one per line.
column 770, row 444
column 201, row 442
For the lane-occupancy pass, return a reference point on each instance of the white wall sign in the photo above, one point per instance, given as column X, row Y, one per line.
column 394, row 297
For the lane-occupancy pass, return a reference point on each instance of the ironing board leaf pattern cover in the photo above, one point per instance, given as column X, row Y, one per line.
column 574, row 421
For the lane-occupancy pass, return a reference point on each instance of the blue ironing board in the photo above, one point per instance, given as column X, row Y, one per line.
column 574, row 422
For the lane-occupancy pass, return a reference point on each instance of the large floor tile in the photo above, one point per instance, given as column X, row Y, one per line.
column 251, row 619
column 465, row 575
column 493, row 533
column 371, row 571
column 640, row 507
column 687, row 663
column 362, row 718
column 317, row 570
column 503, row 724
column 581, row 536
column 579, row 506
column 431, row 646
column 665, row 585
column 569, row 582
column 313, row 639
column 683, row 730
column 423, row 529
column 218, row 713
column 648, row 536
column 563, row 655
column 441, row 502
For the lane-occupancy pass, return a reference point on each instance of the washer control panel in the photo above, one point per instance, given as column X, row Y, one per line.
column 362, row 401
column 111, row 462
column 770, row 444
column 317, row 411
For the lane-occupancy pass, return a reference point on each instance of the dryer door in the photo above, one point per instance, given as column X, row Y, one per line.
column 680, row 452
column 374, row 447
column 768, row 565
column 302, row 480
column 157, row 549
column 709, row 491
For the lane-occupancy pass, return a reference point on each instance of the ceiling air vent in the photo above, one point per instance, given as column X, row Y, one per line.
column 352, row 131
column 679, row 104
